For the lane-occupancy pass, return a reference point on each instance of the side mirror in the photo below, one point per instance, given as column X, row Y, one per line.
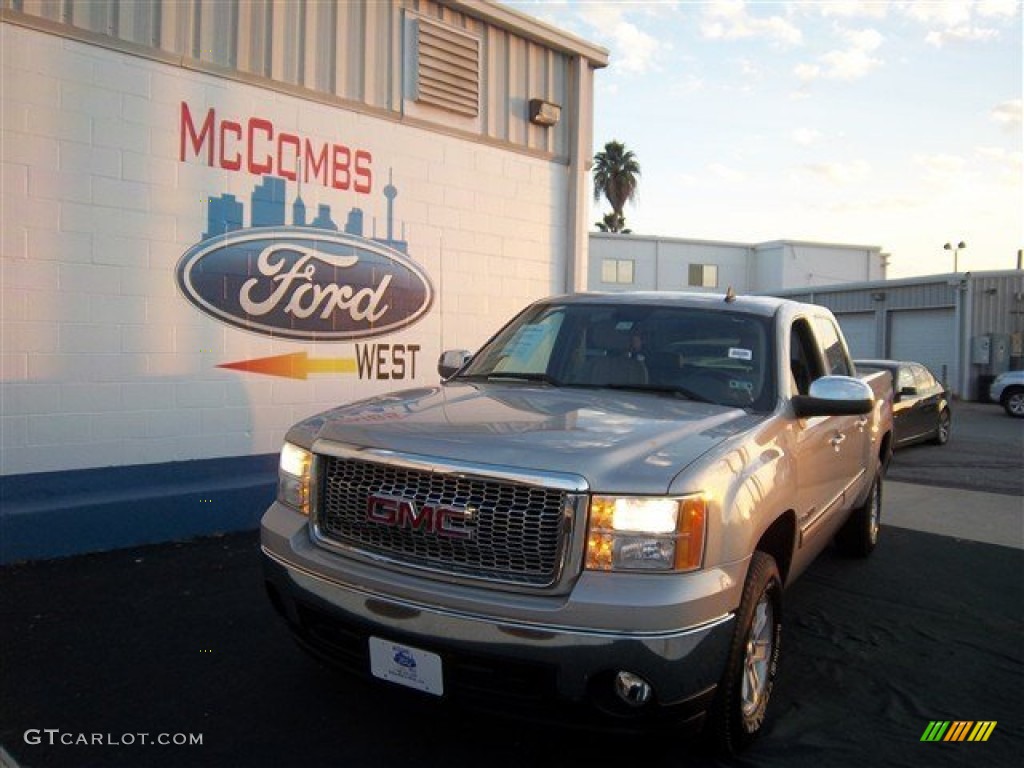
column 835, row 396
column 451, row 361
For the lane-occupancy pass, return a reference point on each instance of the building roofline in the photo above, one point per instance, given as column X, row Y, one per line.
column 660, row 238
column 815, row 243
column 948, row 278
column 532, row 28
column 733, row 243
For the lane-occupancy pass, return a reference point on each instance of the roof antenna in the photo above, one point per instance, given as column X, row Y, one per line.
column 730, row 295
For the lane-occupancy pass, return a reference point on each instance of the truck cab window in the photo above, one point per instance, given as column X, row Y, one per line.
column 836, row 359
column 804, row 361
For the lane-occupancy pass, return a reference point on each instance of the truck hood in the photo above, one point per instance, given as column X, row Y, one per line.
column 620, row 442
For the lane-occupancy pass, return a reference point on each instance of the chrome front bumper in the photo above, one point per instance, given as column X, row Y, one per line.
column 334, row 606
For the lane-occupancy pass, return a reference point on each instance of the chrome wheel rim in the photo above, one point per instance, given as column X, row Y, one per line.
column 756, row 659
column 944, row 424
column 1016, row 403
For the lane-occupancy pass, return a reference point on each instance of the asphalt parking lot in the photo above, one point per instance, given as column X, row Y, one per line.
column 104, row 654
column 985, row 453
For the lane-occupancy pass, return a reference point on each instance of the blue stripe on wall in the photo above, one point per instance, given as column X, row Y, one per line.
column 57, row 514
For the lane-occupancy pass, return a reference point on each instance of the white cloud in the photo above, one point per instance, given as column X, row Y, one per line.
column 687, row 83
column 805, row 137
column 731, row 20
column 632, row 50
column 851, row 9
column 941, row 168
column 964, row 34
column 725, row 173
column 807, row 72
column 946, row 13
column 998, row 8
column 751, row 69
column 840, row 173
column 887, row 205
column 956, row 21
column 1008, row 114
column 1008, row 165
column 852, row 62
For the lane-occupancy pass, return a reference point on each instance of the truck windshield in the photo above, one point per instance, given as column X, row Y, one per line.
column 714, row 356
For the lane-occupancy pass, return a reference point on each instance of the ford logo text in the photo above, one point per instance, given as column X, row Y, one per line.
column 446, row 522
column 304, row 283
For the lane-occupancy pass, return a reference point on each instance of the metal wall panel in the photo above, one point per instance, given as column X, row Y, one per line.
column 352, row 50
column 861, row 332
column 998, row 304
column 925, row 336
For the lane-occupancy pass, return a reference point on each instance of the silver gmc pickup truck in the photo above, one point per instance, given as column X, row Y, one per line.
column 599, row 507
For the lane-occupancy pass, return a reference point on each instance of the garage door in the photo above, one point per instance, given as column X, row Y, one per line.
column 927, row 336
column 859, row 330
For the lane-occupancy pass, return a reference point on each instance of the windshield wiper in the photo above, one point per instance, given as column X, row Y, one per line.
column 676, row 390
column 515, row 375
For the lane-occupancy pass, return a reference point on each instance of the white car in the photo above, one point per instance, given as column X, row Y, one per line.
column 1008, row 391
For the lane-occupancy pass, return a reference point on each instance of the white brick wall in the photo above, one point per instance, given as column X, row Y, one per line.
column 103, row 362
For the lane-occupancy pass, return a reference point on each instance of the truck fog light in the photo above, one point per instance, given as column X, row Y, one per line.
column 632, row 689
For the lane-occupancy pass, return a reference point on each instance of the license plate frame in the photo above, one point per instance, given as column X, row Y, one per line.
column 406, row 665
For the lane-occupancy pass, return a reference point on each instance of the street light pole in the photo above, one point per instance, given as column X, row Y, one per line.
column 956, row 252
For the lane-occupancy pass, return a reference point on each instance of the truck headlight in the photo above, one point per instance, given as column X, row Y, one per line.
column 293, row 477
column 646, row 533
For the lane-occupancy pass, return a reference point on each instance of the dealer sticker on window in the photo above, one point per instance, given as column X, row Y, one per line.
column 405, row 665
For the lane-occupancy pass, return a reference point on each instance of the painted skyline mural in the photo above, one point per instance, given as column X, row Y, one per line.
column 268, row 206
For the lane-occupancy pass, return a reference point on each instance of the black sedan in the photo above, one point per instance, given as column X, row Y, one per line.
column 921, row 404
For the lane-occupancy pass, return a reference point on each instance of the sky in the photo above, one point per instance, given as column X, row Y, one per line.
column 892, row 124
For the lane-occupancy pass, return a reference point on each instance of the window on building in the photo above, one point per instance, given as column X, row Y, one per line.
column 703, row 276
column 617, row 271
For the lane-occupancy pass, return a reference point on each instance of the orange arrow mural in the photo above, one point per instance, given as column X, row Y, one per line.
column 297, row 365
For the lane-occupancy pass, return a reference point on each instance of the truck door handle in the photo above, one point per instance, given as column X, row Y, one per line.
column 837, row 441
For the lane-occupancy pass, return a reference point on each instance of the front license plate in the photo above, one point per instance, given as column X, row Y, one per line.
column 405, row 665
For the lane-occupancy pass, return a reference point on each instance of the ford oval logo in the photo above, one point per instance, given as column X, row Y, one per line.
column 305, row 283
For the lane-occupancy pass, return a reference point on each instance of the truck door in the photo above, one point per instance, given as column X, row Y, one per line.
column 831, row 449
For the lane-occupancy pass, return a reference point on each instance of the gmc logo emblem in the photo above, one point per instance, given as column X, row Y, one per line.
column 447, row 522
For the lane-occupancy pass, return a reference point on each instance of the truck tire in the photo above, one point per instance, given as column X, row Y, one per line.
column 746, row 686
column 1013, row 402
column 859, row 534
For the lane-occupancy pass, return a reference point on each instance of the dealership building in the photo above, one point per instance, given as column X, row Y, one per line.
column 220, row 218
column 649, row 263
column 967, row 327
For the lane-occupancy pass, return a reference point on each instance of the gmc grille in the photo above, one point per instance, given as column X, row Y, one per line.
column 516, row 533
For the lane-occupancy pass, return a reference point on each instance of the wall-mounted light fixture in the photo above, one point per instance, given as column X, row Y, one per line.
column 544, row 112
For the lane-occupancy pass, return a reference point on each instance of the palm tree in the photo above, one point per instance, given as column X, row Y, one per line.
column 616, row 175
column 613, row 223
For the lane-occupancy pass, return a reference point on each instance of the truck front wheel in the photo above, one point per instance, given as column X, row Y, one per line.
column 753, row 660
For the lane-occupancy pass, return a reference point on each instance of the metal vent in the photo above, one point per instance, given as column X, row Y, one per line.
column 447, row 68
